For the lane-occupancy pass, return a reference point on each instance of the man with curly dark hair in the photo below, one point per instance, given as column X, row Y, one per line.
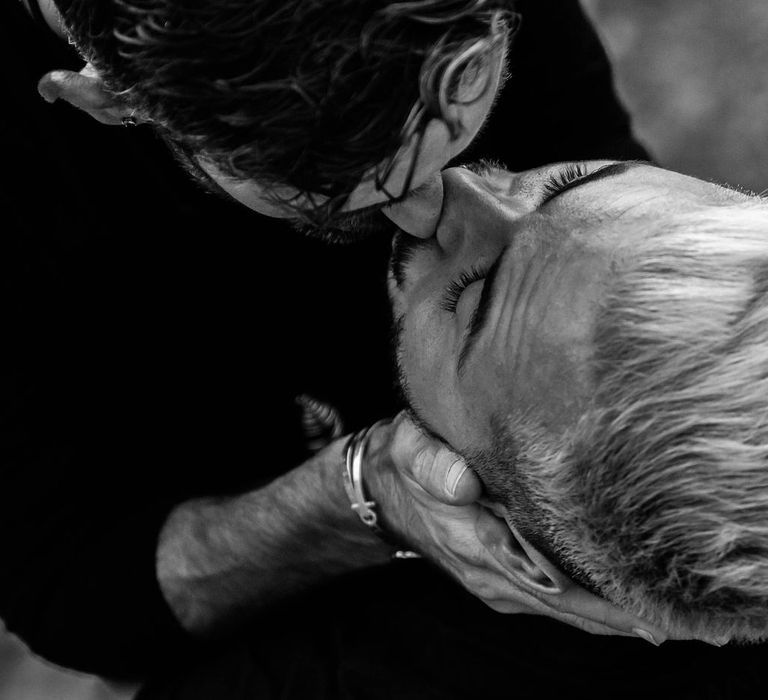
column 296, row 109
column 161, row 477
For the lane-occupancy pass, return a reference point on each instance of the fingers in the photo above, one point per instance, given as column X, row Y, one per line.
column 608, row 615
column 84, row 90
column 573, row 604
column 438, row 470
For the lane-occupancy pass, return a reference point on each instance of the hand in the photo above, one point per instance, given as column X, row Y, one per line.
column 428, row 497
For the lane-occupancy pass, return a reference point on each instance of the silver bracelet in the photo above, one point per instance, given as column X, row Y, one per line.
column 354, row 454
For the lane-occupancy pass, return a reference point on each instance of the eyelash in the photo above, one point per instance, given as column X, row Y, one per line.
column 453, row 292
column 555, row 184
column 558, row 181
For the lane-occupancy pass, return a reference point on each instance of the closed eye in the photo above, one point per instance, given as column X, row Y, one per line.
column 574, row 175
column 559, row 181
column 452, row 294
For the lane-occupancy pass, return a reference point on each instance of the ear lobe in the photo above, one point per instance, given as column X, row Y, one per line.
column 84, row 90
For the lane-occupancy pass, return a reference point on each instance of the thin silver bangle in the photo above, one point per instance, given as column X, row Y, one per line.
column 354, row 454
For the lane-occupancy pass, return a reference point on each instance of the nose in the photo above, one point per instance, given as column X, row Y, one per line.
column 419, row 213
column 476, row 214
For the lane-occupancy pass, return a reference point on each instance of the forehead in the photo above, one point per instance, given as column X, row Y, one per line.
column 542, row 366
column 536, row 358
column 645, row 182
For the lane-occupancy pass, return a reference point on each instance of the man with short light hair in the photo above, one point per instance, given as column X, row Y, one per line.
column 593, row 337
column 657, row 498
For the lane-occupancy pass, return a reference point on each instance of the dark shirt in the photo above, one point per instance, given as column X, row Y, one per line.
column 155, row 338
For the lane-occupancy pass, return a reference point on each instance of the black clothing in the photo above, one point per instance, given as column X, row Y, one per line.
column 155, row 338
column 144, row 325
column 406, row 634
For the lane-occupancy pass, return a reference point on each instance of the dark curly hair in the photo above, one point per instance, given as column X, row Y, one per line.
column 306, row 93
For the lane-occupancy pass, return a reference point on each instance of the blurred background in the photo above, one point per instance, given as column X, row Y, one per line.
column 694, row 75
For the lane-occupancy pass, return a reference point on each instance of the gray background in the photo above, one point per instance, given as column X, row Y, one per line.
column 694, row 74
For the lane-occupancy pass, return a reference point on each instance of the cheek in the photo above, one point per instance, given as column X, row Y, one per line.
column 485, row 393
column 422, row 355
column 425, row 359
column 457, row 410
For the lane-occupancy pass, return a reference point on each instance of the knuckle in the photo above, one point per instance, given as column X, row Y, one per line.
column 421, row 464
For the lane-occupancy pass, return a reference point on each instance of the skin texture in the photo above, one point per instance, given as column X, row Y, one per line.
column 219, row 560
column 532, row 355
column 554, row 256
column 85, row 90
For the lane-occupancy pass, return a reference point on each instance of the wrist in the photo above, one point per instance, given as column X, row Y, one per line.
column 382, row 485
column 371, row 549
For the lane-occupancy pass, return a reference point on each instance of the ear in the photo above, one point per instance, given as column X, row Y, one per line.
column 86, row 91
column 541, row 574
column 528, row 566
column 557, row 596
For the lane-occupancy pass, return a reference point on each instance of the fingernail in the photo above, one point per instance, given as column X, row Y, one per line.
column 646, row 635
column 454, row 475
column 721, row 642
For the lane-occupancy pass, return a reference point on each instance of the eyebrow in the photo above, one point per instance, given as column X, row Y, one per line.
column 480, row 314
column 612, row 170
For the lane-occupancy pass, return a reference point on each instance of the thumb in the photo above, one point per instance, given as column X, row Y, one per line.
column 437, row 469
column 445, row 476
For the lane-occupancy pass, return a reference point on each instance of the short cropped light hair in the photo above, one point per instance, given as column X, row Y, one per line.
column 658, row 498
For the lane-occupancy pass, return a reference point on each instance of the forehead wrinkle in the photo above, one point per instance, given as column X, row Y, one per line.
column 515, row 306
column 562, row 262
column 642, row 202
column 519, row 318
column 533, row 315
column 507, row 312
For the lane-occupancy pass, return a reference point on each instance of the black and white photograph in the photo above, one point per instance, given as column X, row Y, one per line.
column 373, row 350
